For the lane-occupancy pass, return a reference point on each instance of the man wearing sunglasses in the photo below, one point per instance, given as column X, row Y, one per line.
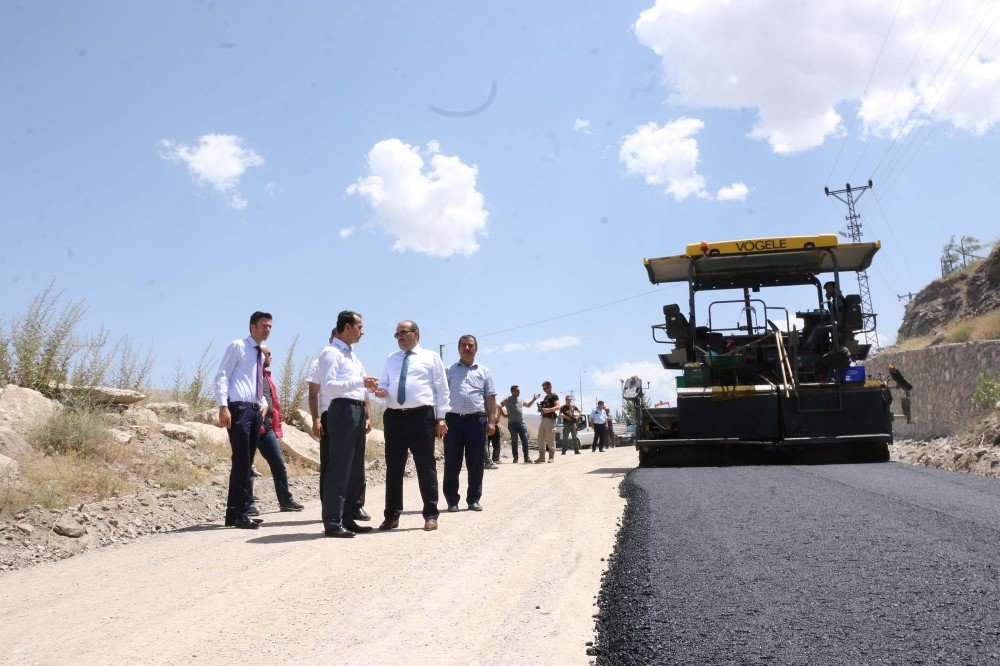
column 417, row 399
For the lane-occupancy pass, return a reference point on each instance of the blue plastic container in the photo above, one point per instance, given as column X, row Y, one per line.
column 853, row 375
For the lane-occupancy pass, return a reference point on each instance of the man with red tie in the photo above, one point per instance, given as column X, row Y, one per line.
column 239, row 394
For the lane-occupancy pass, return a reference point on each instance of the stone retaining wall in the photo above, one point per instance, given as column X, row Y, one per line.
column 944, row 378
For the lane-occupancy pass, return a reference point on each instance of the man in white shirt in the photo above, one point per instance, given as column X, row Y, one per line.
column 317, row 410
column 239, row 394
column 599, row 417
column 346, row 422
column 416, row 388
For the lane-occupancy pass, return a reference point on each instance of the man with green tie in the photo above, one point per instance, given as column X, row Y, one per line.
column 415, row 387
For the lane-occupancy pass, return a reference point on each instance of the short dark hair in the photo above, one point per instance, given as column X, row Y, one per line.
column 466, row 337
column 333, row 331
column 600, row 402
column 829, row 283
column 513, row 388
column 547, row 383
column 258, row 315
column 346, row 318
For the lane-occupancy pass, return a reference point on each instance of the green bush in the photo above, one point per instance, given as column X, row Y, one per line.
column 987, row 392
column 79, row 429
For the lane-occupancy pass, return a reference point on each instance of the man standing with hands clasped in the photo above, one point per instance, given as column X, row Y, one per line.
column 239, row 394
column 344, row 379
column 599, row 417
column 473, row 415
column 414, row 382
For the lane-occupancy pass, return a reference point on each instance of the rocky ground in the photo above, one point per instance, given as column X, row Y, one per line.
column 39, row 535
column 976, row 450
column 176, row 462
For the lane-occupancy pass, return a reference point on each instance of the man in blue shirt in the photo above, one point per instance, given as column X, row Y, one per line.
column 473, row 415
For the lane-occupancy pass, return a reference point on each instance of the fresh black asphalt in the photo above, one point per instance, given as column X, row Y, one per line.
column 826, row 564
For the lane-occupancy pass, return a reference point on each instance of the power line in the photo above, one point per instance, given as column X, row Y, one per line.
column 911, row 138
column 901, row 80
column 931, row 128
column 940, row 89
column 571, row 314
column 864, row 94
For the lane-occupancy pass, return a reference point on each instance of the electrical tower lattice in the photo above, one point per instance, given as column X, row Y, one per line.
column 850, row 196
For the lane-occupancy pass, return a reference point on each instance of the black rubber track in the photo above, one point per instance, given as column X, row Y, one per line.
column 824, row 564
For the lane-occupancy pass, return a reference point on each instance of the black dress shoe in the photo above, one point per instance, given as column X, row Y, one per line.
column 475, row 506
column 358, row 529
column 339, row 532
column 389, row 524
column 361, row 514
column 230, row 522
column 292, row 506
column 246, row 523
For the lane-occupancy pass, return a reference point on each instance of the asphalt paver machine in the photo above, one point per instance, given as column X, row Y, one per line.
column 764, row 389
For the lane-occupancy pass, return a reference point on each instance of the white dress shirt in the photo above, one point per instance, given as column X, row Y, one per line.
column 599, row 416
column 426, row 383
column 236, row 380
column 340, row 374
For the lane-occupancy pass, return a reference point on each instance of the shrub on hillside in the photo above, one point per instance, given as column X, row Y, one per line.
column 42, row 347
column 79, row 429
column 292, row 382
column 987, row 392
column 195, row 390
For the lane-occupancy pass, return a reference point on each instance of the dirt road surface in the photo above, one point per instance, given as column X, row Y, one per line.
column 513, row 584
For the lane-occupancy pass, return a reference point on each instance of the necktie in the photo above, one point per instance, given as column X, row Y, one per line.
column 260, row 374
column 401, row 390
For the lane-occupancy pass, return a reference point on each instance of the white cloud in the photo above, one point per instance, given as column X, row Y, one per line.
column 562, row 342
column 666, row 156
column 548, row 344
column 271, row 188
column 581, row 125
column 219, row 161
column 735, row 192
column 346, row 232
column 435, row 211
column 795, row 62
column 662, row 385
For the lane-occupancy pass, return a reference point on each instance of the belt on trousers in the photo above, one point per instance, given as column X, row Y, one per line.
column 471, row 415
column 407, row 410
column 237, row 403
column 350, row 401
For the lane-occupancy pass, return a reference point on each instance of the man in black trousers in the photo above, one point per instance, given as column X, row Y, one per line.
column 239, row 394
column 318, row 402
column 347, row 423
column 414, row 383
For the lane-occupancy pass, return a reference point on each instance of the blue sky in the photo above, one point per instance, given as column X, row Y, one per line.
column 109, row 188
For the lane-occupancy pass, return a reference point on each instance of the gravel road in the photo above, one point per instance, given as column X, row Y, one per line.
column 514, row 584
column 867, row 564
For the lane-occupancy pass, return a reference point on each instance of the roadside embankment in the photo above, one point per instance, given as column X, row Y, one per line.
column 944, row 379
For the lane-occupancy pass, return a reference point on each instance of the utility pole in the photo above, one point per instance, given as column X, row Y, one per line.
column 441, row 352
column 909, row 296
column 850, row 196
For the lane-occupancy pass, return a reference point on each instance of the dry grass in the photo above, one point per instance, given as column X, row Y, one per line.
column 80, row 430
column 984, row 327
column 919, row 342
column 59, row 480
